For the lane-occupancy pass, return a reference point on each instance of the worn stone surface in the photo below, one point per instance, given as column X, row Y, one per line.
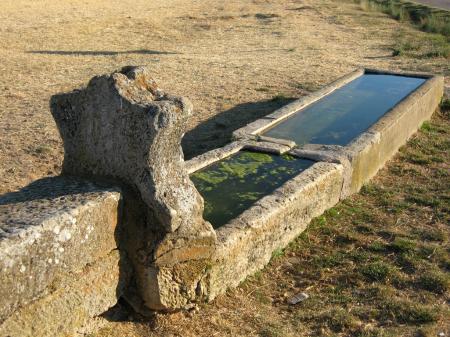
column 212, row 156
column 122, row 126
column 50, row 228
column 330, row 154
column 370, row 151
column 245, row 245
column 72, row 303
column 262, row 124
column 269, row 147
column 168, row 266
column 286, row 142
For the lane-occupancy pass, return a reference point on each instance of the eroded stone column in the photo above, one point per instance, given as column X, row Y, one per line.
column 122, row 126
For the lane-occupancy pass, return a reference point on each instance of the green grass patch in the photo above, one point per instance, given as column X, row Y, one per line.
column 402, row 245
column 408, row 263
column 280, row 98
column 329, row 261
column 431, row 235
column 425, row 18
column 436, row 282
column 407, row 312
column 339, row 319
column 376, row 271
column 377, row 246
column 271, row 331
column 277, row 253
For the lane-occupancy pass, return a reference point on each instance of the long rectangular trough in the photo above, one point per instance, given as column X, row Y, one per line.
column 177, row 233
column 282, row 170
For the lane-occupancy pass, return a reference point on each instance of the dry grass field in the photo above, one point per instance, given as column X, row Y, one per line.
column 231, row 58
column 375, row 265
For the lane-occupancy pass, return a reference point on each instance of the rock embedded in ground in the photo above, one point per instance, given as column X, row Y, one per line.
column 300, row 297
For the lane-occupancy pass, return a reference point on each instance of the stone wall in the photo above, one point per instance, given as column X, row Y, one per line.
column 122, row 126
column 246, row 244
column 59, row 261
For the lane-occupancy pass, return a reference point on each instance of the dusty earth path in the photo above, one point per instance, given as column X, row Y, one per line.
column 235, row 60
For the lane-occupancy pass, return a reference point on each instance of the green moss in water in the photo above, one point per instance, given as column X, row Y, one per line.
column 233, row 184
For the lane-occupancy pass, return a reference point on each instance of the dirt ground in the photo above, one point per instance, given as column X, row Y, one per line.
column 238, row 60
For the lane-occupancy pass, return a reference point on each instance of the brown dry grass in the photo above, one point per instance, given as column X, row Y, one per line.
column 227, row 57
column 364, row 262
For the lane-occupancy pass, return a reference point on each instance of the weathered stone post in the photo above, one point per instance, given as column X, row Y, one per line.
column 122, row 126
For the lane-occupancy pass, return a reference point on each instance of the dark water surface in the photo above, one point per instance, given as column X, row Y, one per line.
column 233, row 184
column 339, row 117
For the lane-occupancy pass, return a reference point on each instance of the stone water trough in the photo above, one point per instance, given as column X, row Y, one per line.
column 130, row 218
column 310, row 154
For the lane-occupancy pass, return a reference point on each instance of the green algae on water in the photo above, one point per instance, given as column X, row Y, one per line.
column 233, row 184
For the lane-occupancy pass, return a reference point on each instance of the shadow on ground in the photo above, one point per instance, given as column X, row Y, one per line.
column 217, row 131
column 100, row 52
column 50, row 188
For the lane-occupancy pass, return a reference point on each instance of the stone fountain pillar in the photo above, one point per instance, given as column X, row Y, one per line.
column 122, row 127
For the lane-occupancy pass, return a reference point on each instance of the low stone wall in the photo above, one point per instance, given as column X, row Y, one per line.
column 58, row 256
column 253, row 129
column 369, row 152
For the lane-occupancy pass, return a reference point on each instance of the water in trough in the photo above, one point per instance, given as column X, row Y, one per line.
column 233, row 184
column 342, row 115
